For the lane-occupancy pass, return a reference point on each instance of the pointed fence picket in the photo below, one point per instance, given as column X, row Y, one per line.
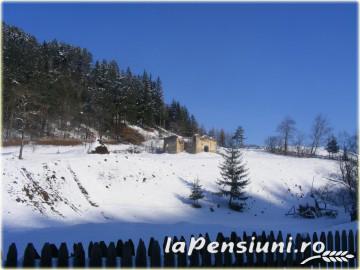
column 126, row 254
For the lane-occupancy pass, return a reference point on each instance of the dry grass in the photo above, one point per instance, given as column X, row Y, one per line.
column 110, row 141
column 58, row 142
column 131, row 136
column 149, row 129
column 13, row 142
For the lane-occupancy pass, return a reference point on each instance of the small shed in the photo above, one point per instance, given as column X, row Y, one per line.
column 173, row 144
column 196, row 144
column 204, row 144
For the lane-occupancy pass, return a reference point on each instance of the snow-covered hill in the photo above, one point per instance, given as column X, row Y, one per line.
column 64, row 193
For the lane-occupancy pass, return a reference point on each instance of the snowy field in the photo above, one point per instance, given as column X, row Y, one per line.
column 61, row 194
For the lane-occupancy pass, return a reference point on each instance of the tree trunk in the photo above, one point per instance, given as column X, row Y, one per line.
column 10, row 125
column 21, row 145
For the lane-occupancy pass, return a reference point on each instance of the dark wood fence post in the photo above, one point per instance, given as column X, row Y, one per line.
column 308, row 250
column 95, row 258
column 132, row 247
column 227, row 255
column 315, row 263
column 46, row 258
column 356, row 249
column 103, row 249
column 337, row 246
column 119, row 246
column 351, row 249
column 182, row 257
column 298, row 254
column 239, row 257
column 11, row 258
column 323, row 264
column 79, row 256
column 330, row 246
column 194, row 260
column 155, row 254
column 249, row 256
column 169, row 257
column 91, row 244
column 260, row 258
column 54, row 251
column 29, row 256
column 289, row 255
column 141, row 256
column 111, row 255
column 63, row 256
column 279, row 256
column 219, row 256
column 205, row 255
column 270, row 255
column 126, row 260
column 344, row 246
column 150, row 245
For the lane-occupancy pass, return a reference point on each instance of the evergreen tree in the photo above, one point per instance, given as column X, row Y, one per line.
column 221, row 139
column 234, row 178
column 239, row 137
column 196, row 193
column 67, row 90
column 332, row 146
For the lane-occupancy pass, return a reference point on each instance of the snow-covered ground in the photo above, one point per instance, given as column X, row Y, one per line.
column 61, row 194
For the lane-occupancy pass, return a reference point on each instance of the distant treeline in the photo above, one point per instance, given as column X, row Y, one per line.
column 52, row 87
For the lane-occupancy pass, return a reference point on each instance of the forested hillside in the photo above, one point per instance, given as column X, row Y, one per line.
column 52, row 88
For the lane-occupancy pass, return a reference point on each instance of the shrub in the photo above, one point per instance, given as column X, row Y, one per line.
column 101, row 149
column 237, row 207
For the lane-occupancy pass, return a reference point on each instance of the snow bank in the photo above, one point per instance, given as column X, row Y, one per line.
column 63, row 193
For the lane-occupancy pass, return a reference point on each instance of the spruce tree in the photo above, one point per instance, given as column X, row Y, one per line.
column 239, row 137
column 196, row 193
column 234, row 177
column 221, row 139
column 332, row 146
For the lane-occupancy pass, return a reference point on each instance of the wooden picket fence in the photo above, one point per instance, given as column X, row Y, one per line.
column 126, row 254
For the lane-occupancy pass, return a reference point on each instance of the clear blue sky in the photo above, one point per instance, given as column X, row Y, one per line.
column 230, row 64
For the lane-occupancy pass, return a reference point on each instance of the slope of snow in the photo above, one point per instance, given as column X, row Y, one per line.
column 62, row 193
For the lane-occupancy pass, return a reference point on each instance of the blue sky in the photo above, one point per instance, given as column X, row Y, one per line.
column 230, row 64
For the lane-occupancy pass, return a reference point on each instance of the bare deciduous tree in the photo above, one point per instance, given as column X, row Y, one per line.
column 25, row 117
column 348, row 142
column 319, row 131
column 286, row 130
column 273, row 144
column 299, row 143
column 347, row 179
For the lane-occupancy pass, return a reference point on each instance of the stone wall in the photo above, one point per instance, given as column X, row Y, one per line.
column 196, row 144
column 204, row 144
column 173, row 145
